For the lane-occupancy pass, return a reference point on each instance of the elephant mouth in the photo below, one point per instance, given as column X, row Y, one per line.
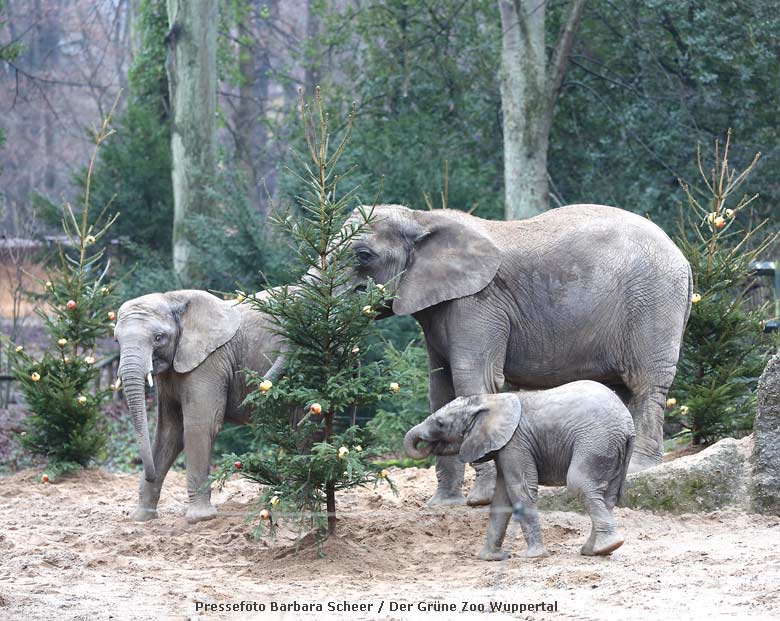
column 159, row 365
column 443, row 448
column 436, row 447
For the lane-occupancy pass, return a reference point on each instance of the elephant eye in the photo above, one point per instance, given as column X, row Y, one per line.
column 440, row 423
column 364, row 255
column 158, row 338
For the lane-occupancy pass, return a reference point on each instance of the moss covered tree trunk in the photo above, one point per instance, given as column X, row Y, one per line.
column 529, row 88
column 192, row 79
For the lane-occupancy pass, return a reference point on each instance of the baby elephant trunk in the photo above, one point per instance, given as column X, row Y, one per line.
column 411, row 442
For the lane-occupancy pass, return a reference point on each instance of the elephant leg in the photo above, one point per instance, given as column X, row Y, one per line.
column 484, row 378
column 449, row 476
column 168, row 443
column 521, row 486
column 587, row 547
column 647, row 402
column 500, row 514
column 203, row 417
column 449, row 469
column 484, row 484
column 604, row 537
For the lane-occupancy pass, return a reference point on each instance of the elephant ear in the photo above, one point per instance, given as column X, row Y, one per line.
column 494, row 421
column 205, row 323
column 453, row 257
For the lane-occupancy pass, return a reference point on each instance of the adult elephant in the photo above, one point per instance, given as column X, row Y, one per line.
column 196, row 346
column 579, row 292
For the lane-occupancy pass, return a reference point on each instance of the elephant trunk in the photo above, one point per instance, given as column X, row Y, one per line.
column 277, row 368
column 275, row 372
column 132, row 370
column 313, row 276
column 412, row 439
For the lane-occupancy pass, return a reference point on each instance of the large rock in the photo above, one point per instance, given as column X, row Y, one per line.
column 765, row 488
column 715, row 478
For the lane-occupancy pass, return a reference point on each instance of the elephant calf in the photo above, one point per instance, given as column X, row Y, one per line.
column 579, row 434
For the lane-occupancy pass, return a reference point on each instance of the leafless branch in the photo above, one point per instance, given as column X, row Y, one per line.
column 562, row 51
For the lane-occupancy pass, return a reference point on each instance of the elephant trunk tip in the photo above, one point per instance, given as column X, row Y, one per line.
column 150, row 472
column 411, row 441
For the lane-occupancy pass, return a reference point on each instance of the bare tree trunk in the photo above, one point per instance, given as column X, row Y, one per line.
column 45, row 51
column 192, row 79
column 264, row 169
column 529, row 89
column 330, row 486
column 311, row 78
column 247, row 113
column 122, row 41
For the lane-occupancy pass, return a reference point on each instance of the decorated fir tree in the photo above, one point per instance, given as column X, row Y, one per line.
column 724, row 349
column 303, row 458
column 59, row 386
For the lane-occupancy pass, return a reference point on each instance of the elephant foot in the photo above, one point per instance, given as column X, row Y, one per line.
column 492, row 554
column 587, row 549
column 484, row 485
column 200, row 513
column 536, row 552
column 142, row 514
column 607, row 544
column 444, row 497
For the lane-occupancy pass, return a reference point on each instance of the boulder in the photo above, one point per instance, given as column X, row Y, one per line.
column 715, row 478
column 765, row 484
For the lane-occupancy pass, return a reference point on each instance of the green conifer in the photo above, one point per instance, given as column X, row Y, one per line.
column 724, row 348
column 59, row 386
column 302, row 457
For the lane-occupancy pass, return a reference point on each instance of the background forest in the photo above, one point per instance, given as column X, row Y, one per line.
column 587, row 101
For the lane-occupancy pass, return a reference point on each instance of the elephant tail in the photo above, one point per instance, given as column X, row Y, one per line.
column 690, row 296
column 620, row 499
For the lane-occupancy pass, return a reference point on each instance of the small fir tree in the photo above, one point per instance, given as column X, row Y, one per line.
column 59, row 385
column 302, row 458
column 724, row 349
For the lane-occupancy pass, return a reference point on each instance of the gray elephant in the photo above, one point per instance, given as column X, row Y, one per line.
column 196, row 346
column 579, row 435
column 579, row 292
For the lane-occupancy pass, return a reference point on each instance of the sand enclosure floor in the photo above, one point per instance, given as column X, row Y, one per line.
column 69, row 551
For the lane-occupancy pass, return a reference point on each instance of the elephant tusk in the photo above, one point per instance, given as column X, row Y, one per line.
column 149, row 379
column 118, row 382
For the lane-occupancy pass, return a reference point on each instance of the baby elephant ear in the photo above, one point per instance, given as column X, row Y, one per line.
column 495, row 420
column 205, row 323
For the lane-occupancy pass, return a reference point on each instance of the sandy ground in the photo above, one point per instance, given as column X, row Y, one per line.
column 68, row 551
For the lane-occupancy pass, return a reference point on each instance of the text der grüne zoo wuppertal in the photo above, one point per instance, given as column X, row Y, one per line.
column 379, row 606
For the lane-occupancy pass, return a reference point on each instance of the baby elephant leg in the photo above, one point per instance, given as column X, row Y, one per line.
column 522, row 494
column 529, row 522
column 604, row 537
column 500, row 514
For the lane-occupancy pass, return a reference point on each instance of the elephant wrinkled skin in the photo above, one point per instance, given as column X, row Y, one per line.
column 196, row 346
column 579, row 435
column 579, row 292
